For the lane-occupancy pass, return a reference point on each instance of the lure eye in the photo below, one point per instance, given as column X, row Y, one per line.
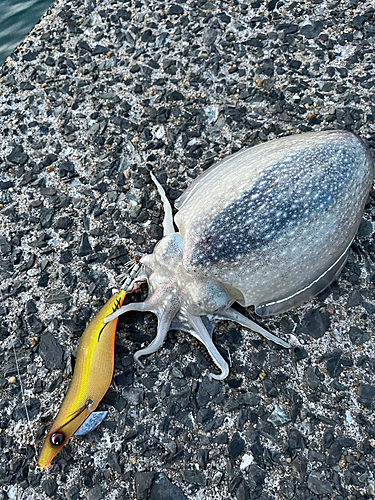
column 57, row 439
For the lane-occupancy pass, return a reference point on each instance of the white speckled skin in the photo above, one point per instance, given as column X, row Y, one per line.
column 270, row 226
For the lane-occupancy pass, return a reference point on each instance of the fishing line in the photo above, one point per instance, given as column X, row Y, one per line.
column 19, row 377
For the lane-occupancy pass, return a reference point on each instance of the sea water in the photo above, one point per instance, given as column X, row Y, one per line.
column 17, row 17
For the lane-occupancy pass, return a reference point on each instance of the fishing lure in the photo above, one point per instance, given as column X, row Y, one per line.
column 269, row 226
column 91, row 378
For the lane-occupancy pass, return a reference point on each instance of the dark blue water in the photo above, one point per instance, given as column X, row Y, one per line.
column 17, row 17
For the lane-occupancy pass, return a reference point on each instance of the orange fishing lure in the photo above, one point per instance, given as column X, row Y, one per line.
column 91, row 378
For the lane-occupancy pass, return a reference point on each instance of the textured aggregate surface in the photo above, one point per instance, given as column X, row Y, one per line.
column 99, row 94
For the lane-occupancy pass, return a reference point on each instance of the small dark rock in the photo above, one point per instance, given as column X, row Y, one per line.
column 370, row 308
column 334, row 366
column 311, row 377
column 176, row 96
column 17, row 156
column 318, row 485
column 30, row 56
column 366, row 391
column 49, row 159
column 269, row 387
column 234, row 383
column 365, row 229
column 31, row 307
column 296, row 440
column 315, row 324
column 175, row 10
column 204, row 415
column 143, row 481
column 194, row 477
column 224, row 17
column 85, row 247
column 221, row 438
column 256, row 476
column 73, row 492
column 95, row 493
column 312, row 30
column 51, row 352
column 38, row 386
column 63, row 223
column 236, row 446
column 67, row 169
column 355, row 298
column 243, row 492
column 213, row 387
column 36, row 326
column 336, row 449
column 162, row 488
column 65, row 256
column 49, row 486
column 185, row 419
column 358, row 336
column 46, row 216
column 202, row 458
column 117, row 251
column 99, row 49
column 249, row 399
column 43, row 282
column 300, row 353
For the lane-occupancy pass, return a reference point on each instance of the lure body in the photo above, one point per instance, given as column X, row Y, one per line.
column 91, row 378
column 270, row 226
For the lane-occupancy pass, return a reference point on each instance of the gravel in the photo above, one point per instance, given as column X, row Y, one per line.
column 97, row 96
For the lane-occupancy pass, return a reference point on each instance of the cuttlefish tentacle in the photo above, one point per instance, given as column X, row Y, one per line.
column 164, row 322
column 168, row 226
column 134, row 306
column 200, row 332
column 242, row 320
column 165, row 312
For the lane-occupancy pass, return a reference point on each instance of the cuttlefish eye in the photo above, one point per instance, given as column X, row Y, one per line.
column 57, row 438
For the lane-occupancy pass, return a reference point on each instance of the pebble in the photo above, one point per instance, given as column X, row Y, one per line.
column 18, row 156
column 358, row 336
column 194, row 477
column 49, row 486
column 236, row 446
column 365, row 229
column 143, row 481
column 85, row 247
column 165, row 489
column 278, row 417
column 51, row 351
column 246, row 461
column 366, row 391
column 355, row 298
column 46, row 217
column 217, row 477
column 58, row 297
column 318, row 485
column 315, row 323
column 334, row 365
column 337, row 447
column 256, row 476
column 35, row 325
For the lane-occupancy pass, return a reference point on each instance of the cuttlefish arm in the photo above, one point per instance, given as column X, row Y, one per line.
column 91, row 378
